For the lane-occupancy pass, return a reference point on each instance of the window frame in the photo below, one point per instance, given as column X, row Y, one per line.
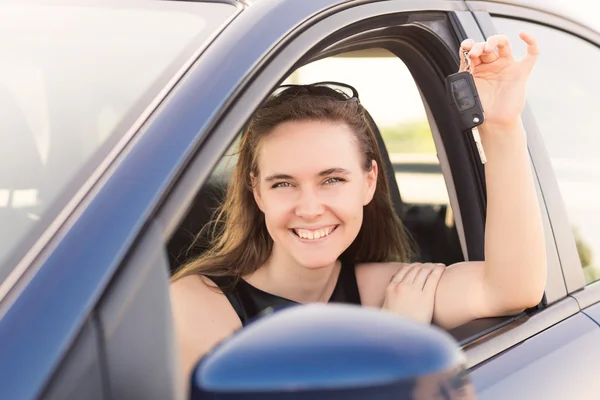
column 563, row 235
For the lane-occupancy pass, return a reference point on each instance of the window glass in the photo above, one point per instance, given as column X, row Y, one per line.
column 70, row 73
column 563, row 94
column 390, row 94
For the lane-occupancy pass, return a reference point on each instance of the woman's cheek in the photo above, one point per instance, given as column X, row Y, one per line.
column 280, row 202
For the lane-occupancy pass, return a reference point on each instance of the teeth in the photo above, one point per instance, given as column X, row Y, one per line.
column 306, row 234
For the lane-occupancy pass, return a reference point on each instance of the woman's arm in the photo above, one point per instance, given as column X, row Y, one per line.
column 202, row 317
column 513, row 275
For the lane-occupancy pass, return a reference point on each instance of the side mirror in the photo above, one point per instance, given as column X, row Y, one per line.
column 333, row 351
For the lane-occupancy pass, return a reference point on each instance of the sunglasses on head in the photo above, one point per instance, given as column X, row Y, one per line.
column 349, row 93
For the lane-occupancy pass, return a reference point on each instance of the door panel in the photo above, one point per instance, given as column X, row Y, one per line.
column 79, row 375
column 137, row 331
column 593, row 312
column 547, row 366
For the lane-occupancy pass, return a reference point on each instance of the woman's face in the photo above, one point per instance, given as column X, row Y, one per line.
column 312, row 187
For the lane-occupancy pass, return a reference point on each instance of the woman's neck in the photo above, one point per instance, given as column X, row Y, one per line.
column 284, row 277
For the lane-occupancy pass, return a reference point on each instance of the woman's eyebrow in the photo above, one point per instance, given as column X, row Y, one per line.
column 277, row 177
column 326, row 172
column 331, row 171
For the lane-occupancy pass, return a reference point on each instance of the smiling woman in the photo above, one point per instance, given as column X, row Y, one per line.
column 308, row 217
column 307, row 203
column 282, row 182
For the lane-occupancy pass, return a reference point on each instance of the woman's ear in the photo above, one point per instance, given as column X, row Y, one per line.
column 371, row 182
column 256, row 191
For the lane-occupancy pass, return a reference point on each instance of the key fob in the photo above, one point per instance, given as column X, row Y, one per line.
column 463, row 99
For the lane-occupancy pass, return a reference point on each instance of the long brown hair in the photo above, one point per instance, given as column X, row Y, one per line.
column 240, row 242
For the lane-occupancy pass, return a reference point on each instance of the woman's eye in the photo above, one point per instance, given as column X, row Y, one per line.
column 281, row 185
column 332, row 181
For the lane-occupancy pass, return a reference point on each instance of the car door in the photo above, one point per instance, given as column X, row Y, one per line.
column 558, row 362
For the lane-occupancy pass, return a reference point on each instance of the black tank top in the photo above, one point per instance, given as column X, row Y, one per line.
column 250, row 303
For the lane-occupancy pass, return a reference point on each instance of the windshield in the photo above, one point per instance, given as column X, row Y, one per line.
column 73, row 77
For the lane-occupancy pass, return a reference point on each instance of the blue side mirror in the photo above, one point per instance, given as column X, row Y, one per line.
column 329, row 351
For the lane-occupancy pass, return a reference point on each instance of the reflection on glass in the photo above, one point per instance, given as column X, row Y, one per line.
column 564, row 110
column 69, row 75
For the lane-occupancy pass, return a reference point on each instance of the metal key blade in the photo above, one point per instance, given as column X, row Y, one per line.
column 479, row 145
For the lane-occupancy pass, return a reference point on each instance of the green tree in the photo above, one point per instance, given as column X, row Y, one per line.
column 590, row 271
column 410, row 137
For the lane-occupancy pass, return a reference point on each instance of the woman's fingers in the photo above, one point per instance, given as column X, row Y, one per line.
column 466, row 46
column 476, row 51
column 422, row 275
column 433, row 279
column 490, row 50
column 532, row 46
column 411, row 292
column 401, row 273
column 496, row 47
column 410, row 276
column 414, row 274
column 533, row 51
column 502, row 42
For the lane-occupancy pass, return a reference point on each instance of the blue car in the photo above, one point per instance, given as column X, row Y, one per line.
column 117, row 121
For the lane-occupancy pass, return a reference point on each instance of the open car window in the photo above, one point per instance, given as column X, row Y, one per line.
column 392, row 98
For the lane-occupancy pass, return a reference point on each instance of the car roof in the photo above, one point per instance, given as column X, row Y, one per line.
column 583, row 12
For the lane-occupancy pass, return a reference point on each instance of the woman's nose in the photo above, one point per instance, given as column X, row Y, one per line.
column 309, row 204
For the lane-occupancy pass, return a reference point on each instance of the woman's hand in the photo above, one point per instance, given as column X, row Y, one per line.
column 411, row 292
column 500, row 79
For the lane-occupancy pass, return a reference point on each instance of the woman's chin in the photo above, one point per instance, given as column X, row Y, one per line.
column 316, row 263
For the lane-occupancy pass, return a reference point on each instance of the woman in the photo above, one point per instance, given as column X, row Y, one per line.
column 308, row 218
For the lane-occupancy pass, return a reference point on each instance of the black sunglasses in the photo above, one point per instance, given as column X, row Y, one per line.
column 349, row 92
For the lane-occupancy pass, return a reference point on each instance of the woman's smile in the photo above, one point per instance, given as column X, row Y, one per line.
column 311, row 235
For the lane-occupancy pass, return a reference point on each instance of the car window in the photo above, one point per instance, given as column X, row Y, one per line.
column 564, row 112
column 73, row 77
column 391, row 96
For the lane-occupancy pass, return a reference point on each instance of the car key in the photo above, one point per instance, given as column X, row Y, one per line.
column 464, row 99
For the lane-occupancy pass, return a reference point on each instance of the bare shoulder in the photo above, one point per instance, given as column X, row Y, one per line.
column 201, row 303
column 373, row 279
column 202, row 315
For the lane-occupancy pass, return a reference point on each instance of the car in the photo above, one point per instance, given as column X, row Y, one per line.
column 117, row 123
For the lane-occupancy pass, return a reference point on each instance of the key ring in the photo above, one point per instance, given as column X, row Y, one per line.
column 468, row 68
